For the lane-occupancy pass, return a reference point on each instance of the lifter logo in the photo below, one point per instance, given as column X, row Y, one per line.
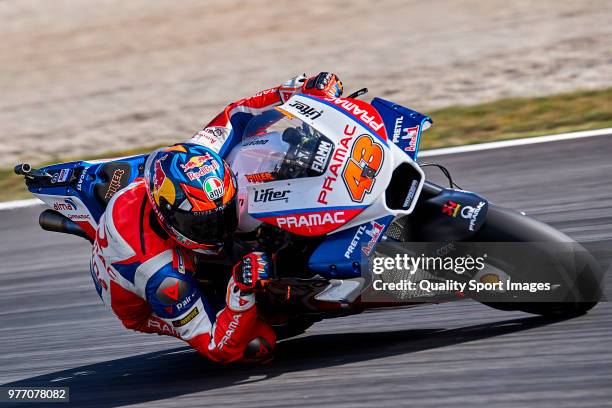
column 306, row 110
column 269, row 194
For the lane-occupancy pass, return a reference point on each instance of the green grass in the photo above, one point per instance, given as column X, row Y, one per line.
column 500, row 120
column 519, row 117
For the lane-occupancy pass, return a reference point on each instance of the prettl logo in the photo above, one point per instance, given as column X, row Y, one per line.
column 213, row 187
column 67, row 205
column 397, row 129
column 269, row 194
column 354, row 242
column 306, row 110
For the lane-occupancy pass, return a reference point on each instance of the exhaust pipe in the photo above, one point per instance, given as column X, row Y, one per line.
column 54, row 221
column 29, row 172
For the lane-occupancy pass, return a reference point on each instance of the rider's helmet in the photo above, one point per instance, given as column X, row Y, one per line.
column 193, row 192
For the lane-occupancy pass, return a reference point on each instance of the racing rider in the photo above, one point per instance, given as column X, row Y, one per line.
column 144, row 261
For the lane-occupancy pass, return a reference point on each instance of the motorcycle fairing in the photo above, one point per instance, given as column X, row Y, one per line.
column 340, row 255
column 322, row 204
column 359, row 111
column 404, row 125
column 80, row 190
column 447, row 215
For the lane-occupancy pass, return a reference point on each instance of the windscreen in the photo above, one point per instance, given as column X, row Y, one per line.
column 307, row 151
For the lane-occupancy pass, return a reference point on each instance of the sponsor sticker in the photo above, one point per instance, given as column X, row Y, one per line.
column 452, row 209
column 79, row 185
column 306, row 109
column 61, row 176
column 374, row 233
column 361, row 110
column 311, row 220
column 397, row 129
column 67, row 205
column 337, row 160
column 115, row 183
column 322, row 155
column 231, row 328
column 190, row 316
column 412, row 133
column 259, row 177
column 213, row 187
column 271, row 194
column 411, row 193
column 256, row 142
column 160, row 326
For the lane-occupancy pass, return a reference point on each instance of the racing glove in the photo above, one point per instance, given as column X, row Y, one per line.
column 252, row 271
column 324, row 85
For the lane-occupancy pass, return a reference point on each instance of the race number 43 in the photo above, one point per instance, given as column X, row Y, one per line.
column 362, row 167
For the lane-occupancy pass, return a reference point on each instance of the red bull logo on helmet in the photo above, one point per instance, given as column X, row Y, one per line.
column 196, row 162
column 199, row 163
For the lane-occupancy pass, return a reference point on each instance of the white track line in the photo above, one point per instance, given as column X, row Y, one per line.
column 515, row 142
column 9, row 205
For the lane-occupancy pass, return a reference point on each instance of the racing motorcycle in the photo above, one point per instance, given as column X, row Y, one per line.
column 322, row 184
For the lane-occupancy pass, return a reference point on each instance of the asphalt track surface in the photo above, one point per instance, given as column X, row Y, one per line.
column 55, row 332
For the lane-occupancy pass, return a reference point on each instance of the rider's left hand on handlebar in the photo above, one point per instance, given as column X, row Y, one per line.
column 325, row 84
column 252, row 271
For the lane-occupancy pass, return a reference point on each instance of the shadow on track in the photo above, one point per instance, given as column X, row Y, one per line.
column 179, row 371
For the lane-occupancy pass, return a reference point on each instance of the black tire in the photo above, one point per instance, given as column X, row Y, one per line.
column 581, row 288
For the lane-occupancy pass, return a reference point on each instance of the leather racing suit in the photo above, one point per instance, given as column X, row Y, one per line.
column 147, row 279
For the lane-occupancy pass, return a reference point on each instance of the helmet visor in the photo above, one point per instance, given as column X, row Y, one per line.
column 210, row 227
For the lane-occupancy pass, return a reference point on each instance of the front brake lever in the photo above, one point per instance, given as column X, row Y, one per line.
column 358, row 93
